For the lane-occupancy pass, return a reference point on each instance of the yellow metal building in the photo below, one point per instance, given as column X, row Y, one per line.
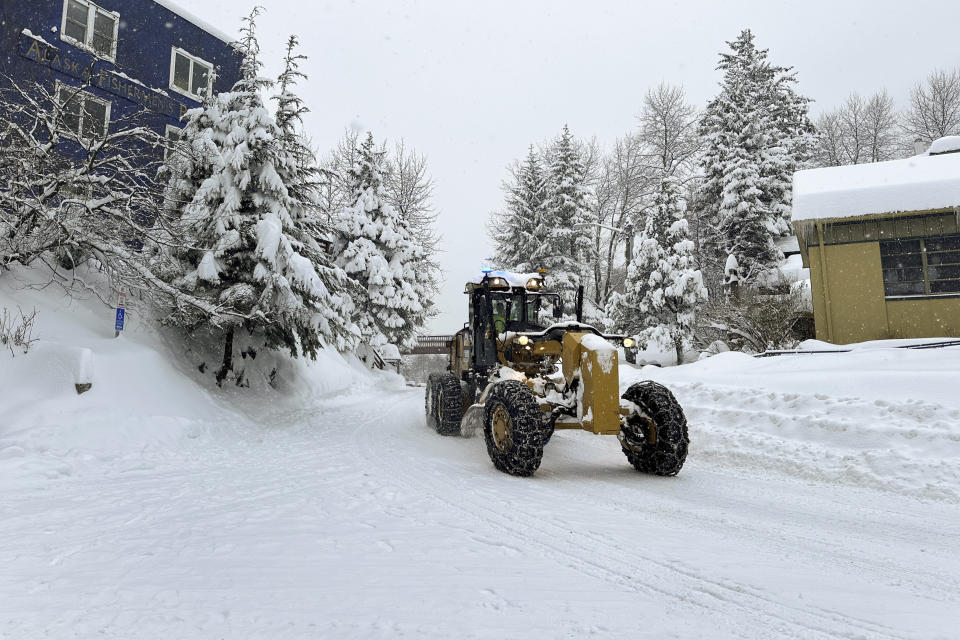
column 882, row 242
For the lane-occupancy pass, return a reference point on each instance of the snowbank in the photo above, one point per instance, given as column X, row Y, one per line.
column 875, row 417
column 147, row 397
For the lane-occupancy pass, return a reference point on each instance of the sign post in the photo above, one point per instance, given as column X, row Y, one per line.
column 121, row 312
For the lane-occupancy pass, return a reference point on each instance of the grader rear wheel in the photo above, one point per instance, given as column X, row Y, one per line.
column 513, row 429
column 443, row 403
column 655, row 437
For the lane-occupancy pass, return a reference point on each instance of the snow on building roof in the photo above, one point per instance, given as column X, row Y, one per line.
column 206, row 26
column 947, row 144
column 789, row 245
column 919, row 183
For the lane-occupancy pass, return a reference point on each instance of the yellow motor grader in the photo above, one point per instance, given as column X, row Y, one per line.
column 518, row 373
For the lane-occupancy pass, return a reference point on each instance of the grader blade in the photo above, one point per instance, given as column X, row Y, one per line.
column 593, row 360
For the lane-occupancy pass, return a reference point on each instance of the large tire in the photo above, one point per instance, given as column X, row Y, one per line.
column 430, row 400
column 513, row 428
column 449, row 405
column 443, row 404
column 666, row 456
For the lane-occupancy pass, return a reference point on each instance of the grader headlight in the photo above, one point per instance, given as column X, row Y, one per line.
column 523, row 341
column 629, row 343
column 534, row 284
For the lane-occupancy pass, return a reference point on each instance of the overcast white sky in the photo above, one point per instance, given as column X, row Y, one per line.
column 472, row 84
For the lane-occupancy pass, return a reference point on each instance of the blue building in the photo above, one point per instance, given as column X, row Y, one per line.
column 144, row 57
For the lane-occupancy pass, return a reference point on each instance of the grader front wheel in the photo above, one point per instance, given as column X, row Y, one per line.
column 513, row 429
column 654, row 437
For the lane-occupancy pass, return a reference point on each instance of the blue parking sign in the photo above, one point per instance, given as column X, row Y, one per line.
column 121, row 314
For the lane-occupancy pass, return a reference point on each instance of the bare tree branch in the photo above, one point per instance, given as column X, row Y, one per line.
column 934, row 110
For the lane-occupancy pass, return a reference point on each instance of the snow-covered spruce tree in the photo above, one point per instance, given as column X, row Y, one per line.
column 309, row 231
column 377, row 249
column 793, row 143
column 567, row 227
column 757, row 134
column 247, row 239
column 624, row 309
column 675, row 287
column 664, row 288
column 514, row 230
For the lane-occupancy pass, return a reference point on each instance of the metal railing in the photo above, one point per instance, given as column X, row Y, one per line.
column 431, row 345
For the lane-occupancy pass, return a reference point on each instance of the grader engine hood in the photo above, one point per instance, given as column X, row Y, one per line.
column 593, row 360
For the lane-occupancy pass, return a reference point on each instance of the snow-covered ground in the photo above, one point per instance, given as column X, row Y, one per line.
column 821, row 499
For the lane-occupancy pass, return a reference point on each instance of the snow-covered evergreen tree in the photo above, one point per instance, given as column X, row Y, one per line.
column 567, row 227
column 757, row 134
column 378, row 250
column 514, row 230
column 249, row 240
column 664, row 288
column 676, row 288
column 310, row 233
column 793, row 143
column 624, row 311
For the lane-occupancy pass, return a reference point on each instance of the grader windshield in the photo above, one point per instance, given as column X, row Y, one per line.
column 520, row 310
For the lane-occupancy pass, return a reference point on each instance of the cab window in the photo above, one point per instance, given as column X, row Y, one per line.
column 508, row 312
column 533, row 313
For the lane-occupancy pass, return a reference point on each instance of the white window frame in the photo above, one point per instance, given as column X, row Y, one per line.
column 60, row 86
column 166, row 139
column 87, row 45
column 193, row 59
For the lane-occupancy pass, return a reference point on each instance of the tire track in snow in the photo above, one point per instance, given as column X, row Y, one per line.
column 157, row 504
column 696, row 589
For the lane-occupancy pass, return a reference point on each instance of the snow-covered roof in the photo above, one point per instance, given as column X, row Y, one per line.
column 919, row 183
column 947, row 144
column 788, row 245
column 513, row 279
column 206, row 26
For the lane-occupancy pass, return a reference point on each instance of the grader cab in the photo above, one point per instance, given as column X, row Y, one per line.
column 519, row 374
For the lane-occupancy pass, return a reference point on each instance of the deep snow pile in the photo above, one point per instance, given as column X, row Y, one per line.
column 877, row 417
column 147, row 399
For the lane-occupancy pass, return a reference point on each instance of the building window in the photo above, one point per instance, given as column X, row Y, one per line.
column 173, row 137
column 189, row 75
column 83, row 114
column 925, row 266
column 90, row 27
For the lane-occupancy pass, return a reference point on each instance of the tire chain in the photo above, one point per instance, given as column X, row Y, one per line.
column 449, row 405
column 430, row 400
column 667, row 455
column 527, row 429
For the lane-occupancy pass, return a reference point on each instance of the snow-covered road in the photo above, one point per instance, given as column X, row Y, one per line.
column 353, row 520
